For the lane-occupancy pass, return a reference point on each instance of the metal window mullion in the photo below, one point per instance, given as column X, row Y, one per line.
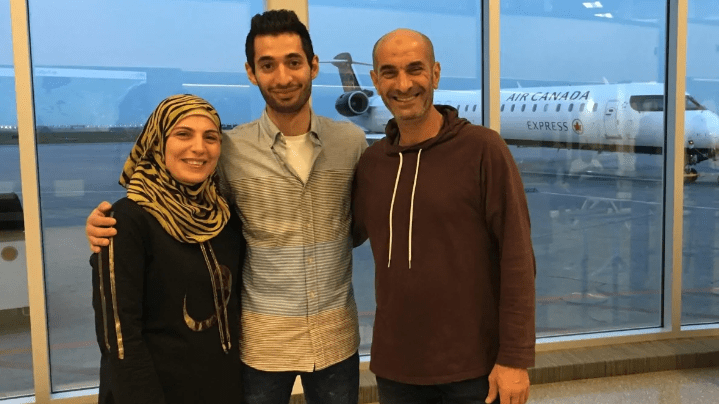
column 31, row 198
column 675, row 86
column 301, row 8
column 490, row 64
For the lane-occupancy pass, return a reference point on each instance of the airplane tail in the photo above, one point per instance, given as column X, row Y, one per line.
column 344, row 62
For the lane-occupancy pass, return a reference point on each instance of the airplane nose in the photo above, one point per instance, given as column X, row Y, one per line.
column 697, row 133
column 703, row 130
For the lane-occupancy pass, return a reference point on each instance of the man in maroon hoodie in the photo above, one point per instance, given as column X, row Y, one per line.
column 443, row 205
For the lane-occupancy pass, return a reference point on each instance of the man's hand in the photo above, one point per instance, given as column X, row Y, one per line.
column 98, row 227
column 512, row 383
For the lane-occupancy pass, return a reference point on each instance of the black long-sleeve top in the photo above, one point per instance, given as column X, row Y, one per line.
column 149, row 352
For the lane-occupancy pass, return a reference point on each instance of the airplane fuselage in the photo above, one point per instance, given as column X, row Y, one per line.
column 611, row 117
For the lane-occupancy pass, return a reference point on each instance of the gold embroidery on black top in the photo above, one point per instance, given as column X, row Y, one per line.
column 113, row 291
column 102, row 299
column 221, row 279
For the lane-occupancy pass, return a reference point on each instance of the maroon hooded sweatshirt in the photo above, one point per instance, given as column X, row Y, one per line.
column 449, row 229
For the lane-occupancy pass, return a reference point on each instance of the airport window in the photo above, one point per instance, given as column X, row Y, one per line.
column 16, row 366
column 612, row 266
column 700, row 244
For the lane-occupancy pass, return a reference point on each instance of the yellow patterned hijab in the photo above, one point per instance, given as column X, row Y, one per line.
column 189, row 213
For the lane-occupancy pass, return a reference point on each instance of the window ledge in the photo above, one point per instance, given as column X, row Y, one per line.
column 593, row 362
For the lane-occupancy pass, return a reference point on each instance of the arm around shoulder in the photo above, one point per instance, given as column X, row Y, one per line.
column 99, row 226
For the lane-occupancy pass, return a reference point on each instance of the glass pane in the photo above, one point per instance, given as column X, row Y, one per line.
column 461, row 61
column 91, row 100
column 700, row 259
column 15, row 346
column 592, row 173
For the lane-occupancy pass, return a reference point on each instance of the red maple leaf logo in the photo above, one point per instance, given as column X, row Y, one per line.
column 577, row 126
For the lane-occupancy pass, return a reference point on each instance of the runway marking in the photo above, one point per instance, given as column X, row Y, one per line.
column 15, row 365
column 6, row 187
column 69, row 188
column 609, row 199
column 53, row 347
column 577, row 295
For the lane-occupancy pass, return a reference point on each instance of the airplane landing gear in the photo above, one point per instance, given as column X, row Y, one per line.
column 690, row 175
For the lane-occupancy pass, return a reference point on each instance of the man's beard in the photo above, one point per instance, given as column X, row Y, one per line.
column 399, row 114
column 287, row 108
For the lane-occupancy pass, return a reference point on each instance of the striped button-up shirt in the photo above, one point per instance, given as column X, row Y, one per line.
column 298, row 307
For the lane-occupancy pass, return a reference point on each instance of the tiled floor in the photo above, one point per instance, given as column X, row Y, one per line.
column 693, row 386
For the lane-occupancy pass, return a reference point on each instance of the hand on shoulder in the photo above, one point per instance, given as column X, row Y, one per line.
column 98, row 227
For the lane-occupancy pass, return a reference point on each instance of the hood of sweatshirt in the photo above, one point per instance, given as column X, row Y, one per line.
column 451, row 124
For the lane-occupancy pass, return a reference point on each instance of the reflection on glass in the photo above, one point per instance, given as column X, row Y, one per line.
column 591, row 156
column 15, row 345
column 91, row 100
column 343, row 89
column 700, row 253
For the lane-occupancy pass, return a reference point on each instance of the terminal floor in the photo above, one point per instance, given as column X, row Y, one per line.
column 693, row 386
column 689, row 386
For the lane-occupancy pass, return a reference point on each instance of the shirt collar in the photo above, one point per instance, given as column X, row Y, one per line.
column 272, row 133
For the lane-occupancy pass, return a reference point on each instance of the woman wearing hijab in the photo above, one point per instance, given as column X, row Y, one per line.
column 165, row 290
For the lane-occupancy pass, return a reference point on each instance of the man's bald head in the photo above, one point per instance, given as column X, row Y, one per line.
column 404, row 33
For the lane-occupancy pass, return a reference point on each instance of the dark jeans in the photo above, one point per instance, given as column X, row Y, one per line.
column 472, row 391
column 337, row 384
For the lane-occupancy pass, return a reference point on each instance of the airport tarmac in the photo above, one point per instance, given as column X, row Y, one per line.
column 597, row 240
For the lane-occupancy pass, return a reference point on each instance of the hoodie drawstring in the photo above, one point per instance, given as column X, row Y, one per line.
column 411, row 209
column 391, row 208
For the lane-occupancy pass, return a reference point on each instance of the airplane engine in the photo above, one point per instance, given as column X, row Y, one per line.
column 352, row 103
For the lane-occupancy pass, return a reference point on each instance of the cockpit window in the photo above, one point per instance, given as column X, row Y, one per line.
column 694, row 105
column 653, row 103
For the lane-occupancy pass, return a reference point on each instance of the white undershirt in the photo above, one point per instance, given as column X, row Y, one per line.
column 299, row 154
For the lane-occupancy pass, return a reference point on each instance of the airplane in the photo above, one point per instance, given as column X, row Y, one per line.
column 625, row 118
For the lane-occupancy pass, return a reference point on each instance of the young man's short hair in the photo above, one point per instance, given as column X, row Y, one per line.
column 275, row 22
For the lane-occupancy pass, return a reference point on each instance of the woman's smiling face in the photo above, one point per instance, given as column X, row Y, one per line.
column 192, row 149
